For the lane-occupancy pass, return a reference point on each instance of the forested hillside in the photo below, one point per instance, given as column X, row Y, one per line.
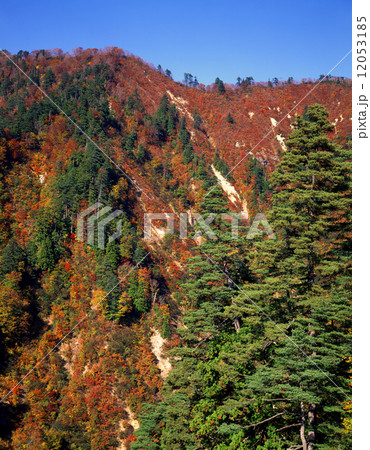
column 204, row 342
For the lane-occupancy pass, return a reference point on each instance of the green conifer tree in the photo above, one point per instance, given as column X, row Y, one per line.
column 302, row 284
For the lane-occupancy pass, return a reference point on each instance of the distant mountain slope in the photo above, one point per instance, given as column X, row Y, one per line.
column 170, row 144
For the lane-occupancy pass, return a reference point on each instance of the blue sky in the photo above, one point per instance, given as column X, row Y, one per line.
column 209, row 39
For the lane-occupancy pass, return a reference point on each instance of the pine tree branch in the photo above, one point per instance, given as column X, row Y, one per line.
column 270, row 399
column 266, row 420
column 288, row 426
